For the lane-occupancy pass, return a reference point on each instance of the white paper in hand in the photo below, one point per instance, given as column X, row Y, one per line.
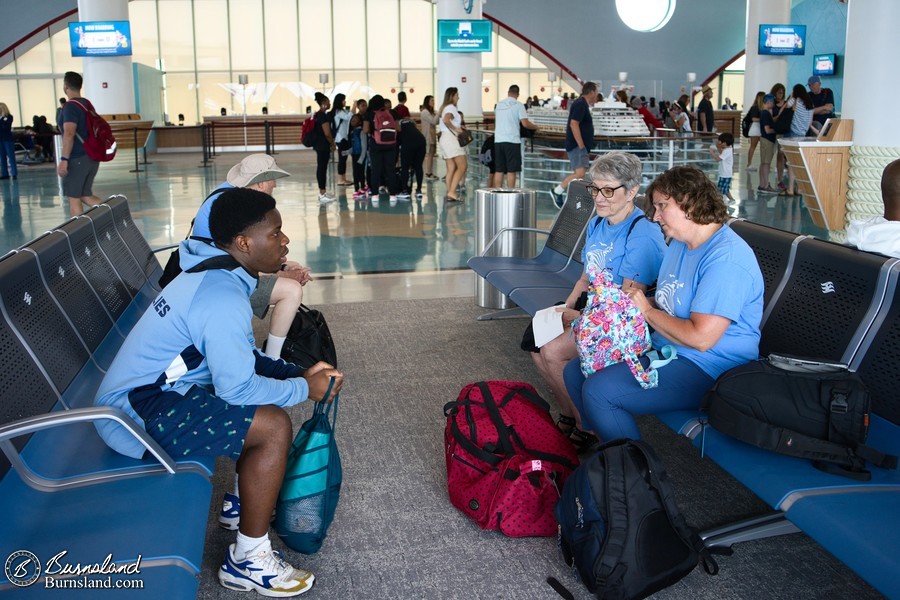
column 547, row 324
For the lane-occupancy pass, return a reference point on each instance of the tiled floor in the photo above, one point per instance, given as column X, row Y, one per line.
column 361, row 250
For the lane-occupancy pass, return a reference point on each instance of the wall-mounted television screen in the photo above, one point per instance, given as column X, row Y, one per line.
column 782, row 39
column 824, row 64
column 464, row 36
column 100, row 38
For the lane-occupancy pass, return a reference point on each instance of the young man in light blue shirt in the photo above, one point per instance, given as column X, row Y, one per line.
column 510, row 115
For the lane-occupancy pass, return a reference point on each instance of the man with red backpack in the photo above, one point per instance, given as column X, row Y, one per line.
column 75, row 167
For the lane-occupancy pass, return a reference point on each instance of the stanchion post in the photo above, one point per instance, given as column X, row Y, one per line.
column 137, row 168
column 204, row 143
column 268, row 148
column 212, row 139
column 273, row 140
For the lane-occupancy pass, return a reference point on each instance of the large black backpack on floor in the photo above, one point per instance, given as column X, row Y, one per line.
column 619, row 527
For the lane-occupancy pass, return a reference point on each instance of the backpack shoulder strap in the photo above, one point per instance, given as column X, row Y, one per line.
column 226, row 262
column 609, row 569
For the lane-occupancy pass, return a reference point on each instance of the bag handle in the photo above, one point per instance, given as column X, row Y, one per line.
column 503, row 436
column 327, row 409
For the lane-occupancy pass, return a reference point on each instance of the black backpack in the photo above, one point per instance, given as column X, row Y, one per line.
column 799, row 407
column 309, row 340
column 619, row 527
column 173, row 266
column 745, row 124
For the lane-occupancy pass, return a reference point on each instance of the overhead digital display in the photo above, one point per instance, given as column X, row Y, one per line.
column 464, row 36
column 100, row 38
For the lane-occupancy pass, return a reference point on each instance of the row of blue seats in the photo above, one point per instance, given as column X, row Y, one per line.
column 823, row 301
column 68, row 299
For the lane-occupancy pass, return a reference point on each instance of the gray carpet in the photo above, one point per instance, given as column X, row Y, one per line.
column 396, row 535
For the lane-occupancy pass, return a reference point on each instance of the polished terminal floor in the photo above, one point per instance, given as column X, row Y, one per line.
column 359, row 250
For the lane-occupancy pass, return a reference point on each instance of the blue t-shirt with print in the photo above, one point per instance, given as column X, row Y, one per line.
column 721, row 277
column 636, row 255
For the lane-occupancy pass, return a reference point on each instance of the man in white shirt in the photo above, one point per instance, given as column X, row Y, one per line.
column 882, row 233
column 510, row 114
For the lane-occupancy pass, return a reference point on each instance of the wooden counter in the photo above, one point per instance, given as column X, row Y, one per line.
column 284, row 130
column 821, row 167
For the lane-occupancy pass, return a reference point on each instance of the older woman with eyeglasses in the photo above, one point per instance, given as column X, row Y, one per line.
column 619, row 238
column 708, row 305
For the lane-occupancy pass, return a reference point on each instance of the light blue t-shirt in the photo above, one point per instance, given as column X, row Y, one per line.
column 721, row 277
column 508, row 116
column 201, row 221
column 636, row 255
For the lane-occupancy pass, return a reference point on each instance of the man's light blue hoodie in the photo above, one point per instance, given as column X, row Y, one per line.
column 196, row 332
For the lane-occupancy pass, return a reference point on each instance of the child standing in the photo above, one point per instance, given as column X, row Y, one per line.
column 357, row 157
column 723, row 152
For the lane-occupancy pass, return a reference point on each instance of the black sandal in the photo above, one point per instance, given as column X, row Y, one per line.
column 584, row 442
column 566, row 425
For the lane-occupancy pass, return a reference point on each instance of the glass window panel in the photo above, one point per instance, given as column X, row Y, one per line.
column 540, row 87
column 353, row 84
column 381, row 82
column 257, row 92
column 418, row 85
column 212, row 43
column 9, row 69
column 37, row 99
column 416, row 42
column 384, row 51
column 181, row 97
column 315, row 34
column 283, row 93
column 510, row 56
column 309, row 85
column 215, row 92
column 62, row 53
column 176, row 35
column 535, row 63
column 9, row 92
column 247, row 45
column 144, row 34
column 489, row 59
column 350, row 26
column 36, row 60
column 281, row 35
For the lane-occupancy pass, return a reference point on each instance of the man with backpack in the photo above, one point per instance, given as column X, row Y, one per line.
column 75, row 167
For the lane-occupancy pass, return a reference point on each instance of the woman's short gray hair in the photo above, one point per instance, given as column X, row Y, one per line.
column 618, row 166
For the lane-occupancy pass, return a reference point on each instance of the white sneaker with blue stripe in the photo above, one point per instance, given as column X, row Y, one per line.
column 264, row 571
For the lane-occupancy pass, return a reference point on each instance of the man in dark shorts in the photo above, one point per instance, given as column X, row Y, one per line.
column 510, row 115
column 76, row 169
column 190, row 375
column 579, row 138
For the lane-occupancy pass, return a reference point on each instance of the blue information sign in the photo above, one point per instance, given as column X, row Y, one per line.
column 464, row 36
column 100, row 38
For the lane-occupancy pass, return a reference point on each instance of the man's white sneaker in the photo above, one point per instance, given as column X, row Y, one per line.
column 265, row 571
column 325, row 198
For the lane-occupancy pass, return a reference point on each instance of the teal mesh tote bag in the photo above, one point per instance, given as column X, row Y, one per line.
column 312, row 482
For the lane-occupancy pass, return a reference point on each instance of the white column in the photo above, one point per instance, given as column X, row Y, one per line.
column 458, row 69
column 762, row 72
column 872, row 46
column 108, row 80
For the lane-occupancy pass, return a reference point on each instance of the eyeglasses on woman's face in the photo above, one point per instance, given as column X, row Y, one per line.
column 606, row 192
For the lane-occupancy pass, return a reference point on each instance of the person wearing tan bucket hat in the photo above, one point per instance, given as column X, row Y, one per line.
column 706, row 118
column 282, row 290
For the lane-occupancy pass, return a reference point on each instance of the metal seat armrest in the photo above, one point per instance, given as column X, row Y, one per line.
column 164, row 248
column 77, row 415
column 505, row 229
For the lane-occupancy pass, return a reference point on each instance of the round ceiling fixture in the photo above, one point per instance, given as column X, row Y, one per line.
column 645, row 15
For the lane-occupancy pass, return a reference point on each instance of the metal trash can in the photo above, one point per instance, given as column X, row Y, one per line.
column 495, row 210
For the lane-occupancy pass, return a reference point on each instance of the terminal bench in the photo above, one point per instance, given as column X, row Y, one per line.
column 68, row 299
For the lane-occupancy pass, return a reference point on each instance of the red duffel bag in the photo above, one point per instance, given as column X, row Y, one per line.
column 506, row 459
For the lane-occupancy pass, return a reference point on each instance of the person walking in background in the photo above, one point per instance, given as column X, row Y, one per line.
column 706, row 118
column 454, row 155
column 510, row 116
column 723, row 153
column 754, row 131
column 340, row 121
column 323, row 146
column 579, row 138
column 75, row 167
column 59, row 115
column 429, row 130
column 7, row 144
